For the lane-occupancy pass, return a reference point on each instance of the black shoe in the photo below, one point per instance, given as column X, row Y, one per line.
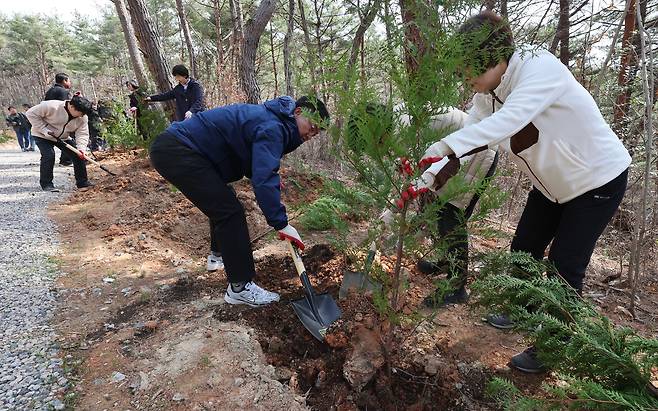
column 436, row 300
column 500, row 321
column 66, row 164
column 50, row 188
column 428, row 267
column 527, row 361
column 86, row 184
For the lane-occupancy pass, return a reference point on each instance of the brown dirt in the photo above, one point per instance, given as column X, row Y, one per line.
column 163, row 323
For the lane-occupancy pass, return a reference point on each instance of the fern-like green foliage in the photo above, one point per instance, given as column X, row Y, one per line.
column 604, row 366
column 324, row 213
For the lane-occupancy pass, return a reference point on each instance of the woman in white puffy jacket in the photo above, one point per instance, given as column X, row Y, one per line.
column 531, row 106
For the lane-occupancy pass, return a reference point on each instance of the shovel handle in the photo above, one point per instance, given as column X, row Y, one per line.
column 299, row 264
column 82, row 155
column 301, row 270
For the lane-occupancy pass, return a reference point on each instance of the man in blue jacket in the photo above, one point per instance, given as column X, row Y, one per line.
column 201, row 155
column 188, row 94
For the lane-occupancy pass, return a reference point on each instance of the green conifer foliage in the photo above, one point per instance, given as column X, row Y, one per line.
column 603, row 366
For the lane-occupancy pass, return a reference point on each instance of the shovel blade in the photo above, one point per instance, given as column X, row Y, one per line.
column 356, row 280
column 327, row 312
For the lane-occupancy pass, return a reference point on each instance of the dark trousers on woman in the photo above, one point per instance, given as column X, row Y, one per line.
column 195, row 177
column 452, row 227
column 574, row 227
column 47, row 149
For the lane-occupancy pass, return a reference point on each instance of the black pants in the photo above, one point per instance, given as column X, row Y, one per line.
column 198, row 180
column 574, row 227
column 47, row 149
column 452, row 227
column 66, row 157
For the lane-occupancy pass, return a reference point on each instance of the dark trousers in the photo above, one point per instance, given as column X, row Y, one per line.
column 23, row 136
column 66, row 157
column 574, row 227
column 214, row 245
column 47, row 149
column 198, row 180
column 452, row 230
column 452, row 227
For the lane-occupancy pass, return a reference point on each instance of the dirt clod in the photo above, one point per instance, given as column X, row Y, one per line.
column 364, row 360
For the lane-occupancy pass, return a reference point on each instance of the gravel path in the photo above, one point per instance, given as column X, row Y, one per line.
column 31, row 376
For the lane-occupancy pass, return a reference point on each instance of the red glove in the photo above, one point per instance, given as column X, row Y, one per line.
column 289, row 233
column 428, row 161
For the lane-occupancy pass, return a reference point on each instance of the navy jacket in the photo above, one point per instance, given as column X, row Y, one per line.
column 186, row 100
column 247, row 140
column 57, row 92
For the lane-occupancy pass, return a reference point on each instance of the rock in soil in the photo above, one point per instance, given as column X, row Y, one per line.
column 365, row 359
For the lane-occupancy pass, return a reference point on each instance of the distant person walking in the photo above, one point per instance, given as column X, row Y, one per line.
column 26, row 107
column 21, row 127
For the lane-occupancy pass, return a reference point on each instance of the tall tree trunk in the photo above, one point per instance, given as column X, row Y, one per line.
column 188, row 38
column 237, row 39
column 309, row 47
column 414, row 46
column 562, row 34
column 503, row 8
column 218, row 34
column 319, row 8
column 287, row 66
column 622, row 101
column 252, row 33
column 220, row 51
column 359, row 36
column 565, row 56
column 149, row 40
column 489, row 4
column 131, row 42
column 388, row 24
column 274, row 71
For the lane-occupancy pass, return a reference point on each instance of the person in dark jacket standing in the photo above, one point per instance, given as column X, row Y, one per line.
column 21, row 127
column 61, row 91
column 201, row 155
column 136, row 98
column 187, row 93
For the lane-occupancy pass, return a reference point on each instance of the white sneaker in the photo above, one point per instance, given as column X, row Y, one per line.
column 252, row 295
column 215, row 263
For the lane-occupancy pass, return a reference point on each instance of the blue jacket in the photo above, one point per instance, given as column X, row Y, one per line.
column 190, row 99
column 247, row 140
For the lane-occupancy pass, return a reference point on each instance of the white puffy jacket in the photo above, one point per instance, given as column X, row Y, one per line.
column 549, row 123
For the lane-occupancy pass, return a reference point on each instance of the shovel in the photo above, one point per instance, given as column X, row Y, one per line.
column 315, row 311
column 82, row 156
column 361, row 281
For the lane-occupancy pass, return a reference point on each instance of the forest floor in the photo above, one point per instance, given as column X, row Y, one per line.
column 145, row 326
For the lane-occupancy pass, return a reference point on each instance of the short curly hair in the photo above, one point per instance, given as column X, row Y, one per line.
column 485, row 40
column 81, row 104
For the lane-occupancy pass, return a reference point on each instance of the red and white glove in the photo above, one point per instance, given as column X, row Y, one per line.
column 438, row 149
column 133, row 110
column 424, row 183
column 289, row 233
